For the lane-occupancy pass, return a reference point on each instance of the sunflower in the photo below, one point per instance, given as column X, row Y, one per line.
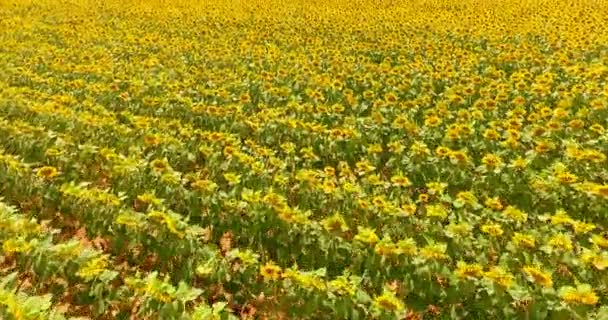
column 270, row 271
column 523, row 240
column 432, row 121
column 566, row 178
column 538, row 276
column 53, row 152
column 515, row 214
column 366, row 235
column 438, row 211
column 459, row 157
column 582, row 294
column 435, row 251
column 597, row 128
column 244, row 98
column 388, row 301
column 465, row 270
column 491, row 161
column 159, row 165
column 500, row 276
column 386, row 247
column 93, row 268
column 600, row 240
column 47, row 172
column 390, row 98
column 601, row 190
column 519, row 163
column 335, row 223
column 442, row 152
column 151, row 140
column 491, row 134
column 561, row 242
column 492, row 229
column 232, row 178
column 494, row 203
column 400, row 181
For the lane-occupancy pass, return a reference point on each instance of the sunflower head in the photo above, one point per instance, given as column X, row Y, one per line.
column 270, row 271
column 47, row 172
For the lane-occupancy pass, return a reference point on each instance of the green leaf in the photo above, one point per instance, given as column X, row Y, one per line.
column 602, row 313
column 38, row 303
column 8, row 281
column 219, row 306
column 363, row 297
column 108, row 276
column 185, row 293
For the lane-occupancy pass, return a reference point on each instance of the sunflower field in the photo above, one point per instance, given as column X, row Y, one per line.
column 303, row 159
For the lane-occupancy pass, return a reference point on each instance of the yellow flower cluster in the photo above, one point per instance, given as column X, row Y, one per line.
column 306, row 159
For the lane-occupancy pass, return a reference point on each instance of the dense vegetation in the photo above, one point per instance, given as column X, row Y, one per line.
column 304, row 159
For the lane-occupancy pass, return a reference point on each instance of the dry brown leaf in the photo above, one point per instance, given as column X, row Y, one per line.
column 226, row 242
